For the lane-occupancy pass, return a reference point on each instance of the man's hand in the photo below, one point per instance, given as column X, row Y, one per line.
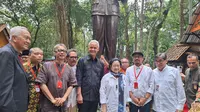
column 60, row 101
column 135, row 100
column 55, row 102
column 79, row 99
column 179, row 111
column 142, row 101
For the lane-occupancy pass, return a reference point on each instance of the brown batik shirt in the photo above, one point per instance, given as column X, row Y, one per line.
column 49, row 76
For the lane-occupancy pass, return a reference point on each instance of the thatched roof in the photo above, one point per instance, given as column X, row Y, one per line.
column 192, row 33
column 175, row 52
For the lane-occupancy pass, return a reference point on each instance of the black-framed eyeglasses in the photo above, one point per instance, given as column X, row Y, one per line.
column 61, row 50
column 73, row 57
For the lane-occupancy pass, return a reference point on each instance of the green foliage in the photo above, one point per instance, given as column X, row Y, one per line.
column 39, row 16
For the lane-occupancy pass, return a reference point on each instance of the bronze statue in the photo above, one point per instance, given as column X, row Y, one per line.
column 105, row 18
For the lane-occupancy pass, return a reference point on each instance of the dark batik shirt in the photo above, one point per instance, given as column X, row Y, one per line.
column 49, row 76
column 192, row 79
column 89, row 73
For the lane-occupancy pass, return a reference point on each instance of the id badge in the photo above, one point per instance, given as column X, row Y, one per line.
column 135, row 85
column 59, row 84
column 37, row 88
column 157, row 87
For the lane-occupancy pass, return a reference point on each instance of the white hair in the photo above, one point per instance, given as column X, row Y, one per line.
column 34, row 49
column 58, row 45
column 94, row 41
column 17, row 30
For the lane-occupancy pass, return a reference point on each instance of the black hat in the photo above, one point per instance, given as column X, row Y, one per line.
column 25, row 52
column 137, row 52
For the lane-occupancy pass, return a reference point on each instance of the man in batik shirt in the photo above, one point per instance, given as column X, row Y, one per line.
column 32, row 68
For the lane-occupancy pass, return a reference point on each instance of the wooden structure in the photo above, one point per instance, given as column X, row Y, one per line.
column 4, row 35
column 189, row 43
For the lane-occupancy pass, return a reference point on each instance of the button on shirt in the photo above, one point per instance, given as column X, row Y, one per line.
column 89, row 73
column 145, row 81
column 109, row 92
column 169, row 94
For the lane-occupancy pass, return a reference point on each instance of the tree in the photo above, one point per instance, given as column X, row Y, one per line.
column 62, row 25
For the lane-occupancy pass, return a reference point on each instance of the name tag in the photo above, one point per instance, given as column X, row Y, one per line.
column 59, row 84
column 37, row 88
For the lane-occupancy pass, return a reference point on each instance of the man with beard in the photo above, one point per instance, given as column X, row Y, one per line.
column 13, row 78
column 141, row 84
column 56, row 80
column 72, row 61
column 89, row 72
column 192, row 79
column 32, row 67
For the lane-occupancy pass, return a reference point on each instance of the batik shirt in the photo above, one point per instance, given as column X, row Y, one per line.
column 34, row 91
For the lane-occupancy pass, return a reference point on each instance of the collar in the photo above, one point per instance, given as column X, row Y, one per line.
column 139, row 66
column 194, row 69
column 166, row 66
column 13, row 49
column 90, row 58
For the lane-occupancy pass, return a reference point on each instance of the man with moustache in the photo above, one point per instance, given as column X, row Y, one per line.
column 169, row 95
column 72, row 61
column 56, row 81
column 89, row 72
column 13, row 78
column 141, row 84
column 192, row 79
column 32, row 67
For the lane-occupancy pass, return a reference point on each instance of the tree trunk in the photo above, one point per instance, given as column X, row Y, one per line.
column 69, row 24
column 61, row 14
column 181, row 18
column 158, row 27
column 126, row 32
column 141, row 26
column 135, row 25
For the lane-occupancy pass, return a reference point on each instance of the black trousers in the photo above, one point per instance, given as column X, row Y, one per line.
column 88, row 106
column 105, row 31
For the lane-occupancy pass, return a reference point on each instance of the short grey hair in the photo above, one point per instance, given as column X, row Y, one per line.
column 71, row 50
column 35, row 49
column 193, row 55
column 58, row 45
column 161, row 55
column 17, row 30
column 94, row 41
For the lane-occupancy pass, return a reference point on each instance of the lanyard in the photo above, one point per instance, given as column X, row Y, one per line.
column 58, row 72
column 136, row 76
column 32, row 71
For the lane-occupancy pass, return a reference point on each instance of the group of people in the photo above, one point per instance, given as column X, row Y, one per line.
column 67, row 84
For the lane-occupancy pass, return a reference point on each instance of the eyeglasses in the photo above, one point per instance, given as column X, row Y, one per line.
column 73, row 57
column 61, row 50
column 159, row 61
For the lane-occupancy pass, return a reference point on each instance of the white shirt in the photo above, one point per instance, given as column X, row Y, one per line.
column 72, row 96
column 109, row 92
column 145, row 81
column 169, row 94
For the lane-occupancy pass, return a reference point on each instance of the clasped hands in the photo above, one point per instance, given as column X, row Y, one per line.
column 139, row 101
column 58, row 101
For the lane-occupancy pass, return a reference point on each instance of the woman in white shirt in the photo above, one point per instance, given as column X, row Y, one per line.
column 113, row 89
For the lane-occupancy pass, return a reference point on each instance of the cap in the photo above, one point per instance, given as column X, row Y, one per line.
column 137, row 52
